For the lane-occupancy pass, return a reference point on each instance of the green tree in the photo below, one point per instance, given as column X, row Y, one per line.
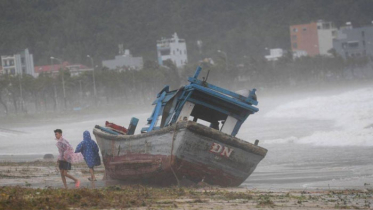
column 3, row 92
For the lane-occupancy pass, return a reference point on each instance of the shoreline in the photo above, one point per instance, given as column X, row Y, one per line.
column 23, row 183
column 44, row 173
column 26, row 158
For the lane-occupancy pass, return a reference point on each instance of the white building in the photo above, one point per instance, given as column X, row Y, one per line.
column 22, row 63
column 124, row 59
column 326, row 32
column 173, row 49
column 274, row 54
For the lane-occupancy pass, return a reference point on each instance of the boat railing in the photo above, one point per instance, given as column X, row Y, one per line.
column 250, row 99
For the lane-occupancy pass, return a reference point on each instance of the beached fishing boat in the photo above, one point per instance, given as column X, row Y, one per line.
column 189, row 138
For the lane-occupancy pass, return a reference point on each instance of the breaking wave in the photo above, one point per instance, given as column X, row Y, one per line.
column 351, row 112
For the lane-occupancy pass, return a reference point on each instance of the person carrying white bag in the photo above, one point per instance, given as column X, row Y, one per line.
column 66, row 157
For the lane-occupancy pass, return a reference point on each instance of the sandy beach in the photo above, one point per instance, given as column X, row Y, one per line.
column 37, row 185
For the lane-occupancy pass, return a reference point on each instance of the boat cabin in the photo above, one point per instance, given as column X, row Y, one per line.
column 203, row 103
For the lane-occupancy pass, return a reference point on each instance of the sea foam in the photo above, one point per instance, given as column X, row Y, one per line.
column 351, row 112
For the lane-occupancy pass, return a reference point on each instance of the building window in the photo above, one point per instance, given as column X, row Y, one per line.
column 353, row 44
column 295, row 30
column 304, row 29
column 318, row 27
column 12, row 71
column 165, row 52
column 344, row 45
column 294, row 37
column 363, row 34
column 334, row 33
column 295, row 45
column 326, row 26
column 364, row 43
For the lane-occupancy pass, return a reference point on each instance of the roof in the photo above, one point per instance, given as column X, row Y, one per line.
column 51, row 68
column 57, row 67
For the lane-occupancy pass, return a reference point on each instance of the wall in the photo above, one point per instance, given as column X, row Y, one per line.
column 325, row 37
column 354, row 42
column 305, row 37
column 124, row 60
column 27, row 65
column 178, row 52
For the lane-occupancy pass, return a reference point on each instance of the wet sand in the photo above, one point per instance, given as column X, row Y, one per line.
column 40, row 174
column 40, row 180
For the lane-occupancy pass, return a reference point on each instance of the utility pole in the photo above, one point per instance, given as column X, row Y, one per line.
column 55, row 91
column 63, row 81
column 55, row 97
column 94, row 79
column 80, row 93
column 20, row 90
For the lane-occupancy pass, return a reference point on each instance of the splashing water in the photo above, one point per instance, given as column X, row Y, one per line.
column 351, row 112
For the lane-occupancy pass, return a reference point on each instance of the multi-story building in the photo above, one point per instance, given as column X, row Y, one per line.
column 124, row 61
column 312, row 39
column 173, row 49
column 354, row 42
column 9, row 64
column 22, row 63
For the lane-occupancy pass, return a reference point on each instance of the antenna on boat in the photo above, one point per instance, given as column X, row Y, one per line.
column 207, row 76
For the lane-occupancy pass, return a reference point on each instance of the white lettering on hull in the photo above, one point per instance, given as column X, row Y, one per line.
column 221, row 150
